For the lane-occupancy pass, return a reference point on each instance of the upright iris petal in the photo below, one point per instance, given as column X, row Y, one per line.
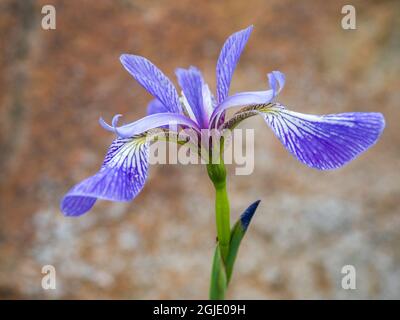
column 121, row 177
column 153, row 80
column 228, row 60
column 191, row 82
column 328, row 141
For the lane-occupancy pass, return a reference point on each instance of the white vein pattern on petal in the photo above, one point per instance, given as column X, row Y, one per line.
column 131, row 157
column 127, row 154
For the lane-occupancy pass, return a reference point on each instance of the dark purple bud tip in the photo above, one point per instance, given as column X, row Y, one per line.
column 246, row 216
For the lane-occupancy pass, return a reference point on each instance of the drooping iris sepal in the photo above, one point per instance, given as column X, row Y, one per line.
column 120, row 178
column 322, row 142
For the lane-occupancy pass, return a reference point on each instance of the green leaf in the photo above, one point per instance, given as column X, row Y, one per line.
column 222, row 270
column 237, row 234
column 218, row 277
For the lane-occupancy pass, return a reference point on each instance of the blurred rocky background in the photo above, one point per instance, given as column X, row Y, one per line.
column 55, row 84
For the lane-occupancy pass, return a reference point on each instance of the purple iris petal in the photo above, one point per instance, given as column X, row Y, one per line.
column 276, row 80
column 328, row 141
column 191, row 82
column 149, row 122
column 121, row 178
column 228, row 59
column 155, row 106
column 153, row 80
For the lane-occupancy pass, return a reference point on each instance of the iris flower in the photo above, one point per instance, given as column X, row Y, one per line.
column 319, row 141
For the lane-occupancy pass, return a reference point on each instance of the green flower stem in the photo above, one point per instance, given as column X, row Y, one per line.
column 217, row 174
column 222, row 220
column 219, row 281
column 218, row 286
